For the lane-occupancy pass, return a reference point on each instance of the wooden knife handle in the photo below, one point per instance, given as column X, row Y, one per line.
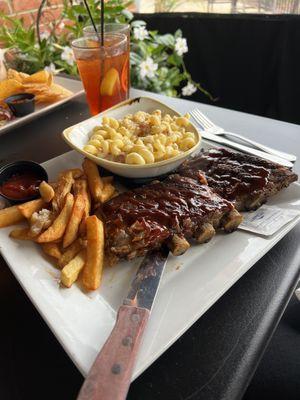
column 110, row 375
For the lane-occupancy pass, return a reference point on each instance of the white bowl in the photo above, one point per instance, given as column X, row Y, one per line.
column 77, row 137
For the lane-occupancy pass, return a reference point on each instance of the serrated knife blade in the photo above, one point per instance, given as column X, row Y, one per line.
column 146, row 281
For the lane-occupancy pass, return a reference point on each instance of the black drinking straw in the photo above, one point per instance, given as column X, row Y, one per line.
column 101, row 39
column 102, row 22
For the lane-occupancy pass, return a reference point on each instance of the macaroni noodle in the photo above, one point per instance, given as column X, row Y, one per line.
column 141, row 138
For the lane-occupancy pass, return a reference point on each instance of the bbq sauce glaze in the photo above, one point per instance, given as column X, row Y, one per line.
column 230, row 174
column 166, row 205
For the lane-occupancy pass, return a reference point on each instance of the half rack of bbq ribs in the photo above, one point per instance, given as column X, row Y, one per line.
column 245, row 180
column 172, row 211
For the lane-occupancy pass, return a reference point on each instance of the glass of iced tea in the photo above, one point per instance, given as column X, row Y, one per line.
column 103, row 69
column 113, row 27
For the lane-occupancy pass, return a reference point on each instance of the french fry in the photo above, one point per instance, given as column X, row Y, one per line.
column 52, row 250
column 107, row 192
column 64, row 186
column 80, row 187
column 70, row 253
column 27, row 209
column 83, row 242
column 76, row 172
column 53, row 185
column 70, row 272
column 46, row 192
column 56, row 241
column 92, row 271
column 95, row 182
column 74, row 222
column 82, row 227
column 10, row 216
column 58, row 227
column 20, row 234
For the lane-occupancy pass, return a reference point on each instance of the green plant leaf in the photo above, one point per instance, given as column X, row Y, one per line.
column 174, row 59
column 178, row 34
column 143, row 48
column 138, row 23
column 127, row 14
column 135, row 58
column 171, row 72
column 167, row 40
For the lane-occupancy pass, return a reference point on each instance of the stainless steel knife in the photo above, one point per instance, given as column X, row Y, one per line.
column 245, row 149
column 110, row 375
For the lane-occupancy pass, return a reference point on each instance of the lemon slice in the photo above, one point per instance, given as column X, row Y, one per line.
column 110, row 82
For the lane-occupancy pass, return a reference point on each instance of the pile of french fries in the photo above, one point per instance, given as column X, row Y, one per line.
column 61, row 221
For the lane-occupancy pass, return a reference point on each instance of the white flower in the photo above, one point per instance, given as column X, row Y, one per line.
column 181, row 46
column 140, row 33
column 148, row 68
column 68, row 55
column 36, row 46
column 45, row 35
column 51, row 68
column 61, row 25
column 189, row 89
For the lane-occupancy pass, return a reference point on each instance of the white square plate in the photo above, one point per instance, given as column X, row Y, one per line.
column 191, row 284
column 40, row 109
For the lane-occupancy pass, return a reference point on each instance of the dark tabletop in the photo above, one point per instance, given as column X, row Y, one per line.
column 215, row 359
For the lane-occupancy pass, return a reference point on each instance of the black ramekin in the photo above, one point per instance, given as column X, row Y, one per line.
column 8, row 170
column 21, row 109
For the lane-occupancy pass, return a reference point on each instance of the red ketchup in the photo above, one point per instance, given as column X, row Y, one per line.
column 21, row 185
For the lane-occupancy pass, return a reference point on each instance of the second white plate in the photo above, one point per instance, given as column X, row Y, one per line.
column 70, row 84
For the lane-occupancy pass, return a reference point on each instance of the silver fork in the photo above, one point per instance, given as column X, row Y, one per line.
column 210, row 127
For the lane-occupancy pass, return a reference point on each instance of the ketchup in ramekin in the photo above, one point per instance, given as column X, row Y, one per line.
column 21, row 185
column 20, row 180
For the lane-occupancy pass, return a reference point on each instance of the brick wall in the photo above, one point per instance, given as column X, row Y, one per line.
column 27, row 9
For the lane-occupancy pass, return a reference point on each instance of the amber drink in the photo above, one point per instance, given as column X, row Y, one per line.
column 109, row 28
column 112, row 27
column 103, row 69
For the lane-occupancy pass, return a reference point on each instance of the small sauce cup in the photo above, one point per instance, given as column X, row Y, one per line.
column 19, row 181
column 21, row 104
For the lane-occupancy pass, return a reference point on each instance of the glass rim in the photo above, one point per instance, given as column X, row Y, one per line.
column 123, row 25
column 106, row 34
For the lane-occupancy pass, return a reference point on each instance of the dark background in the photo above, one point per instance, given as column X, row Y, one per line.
column 251, row 63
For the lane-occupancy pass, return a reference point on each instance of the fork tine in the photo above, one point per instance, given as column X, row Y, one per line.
column 205, row 118
column 201, row 121
column 197, row 118
column 207, row 121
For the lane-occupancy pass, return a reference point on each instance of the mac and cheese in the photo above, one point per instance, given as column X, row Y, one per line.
column 141, row 138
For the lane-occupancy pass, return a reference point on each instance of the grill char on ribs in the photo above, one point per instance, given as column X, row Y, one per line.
column 169, row 212
column 245, row 180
